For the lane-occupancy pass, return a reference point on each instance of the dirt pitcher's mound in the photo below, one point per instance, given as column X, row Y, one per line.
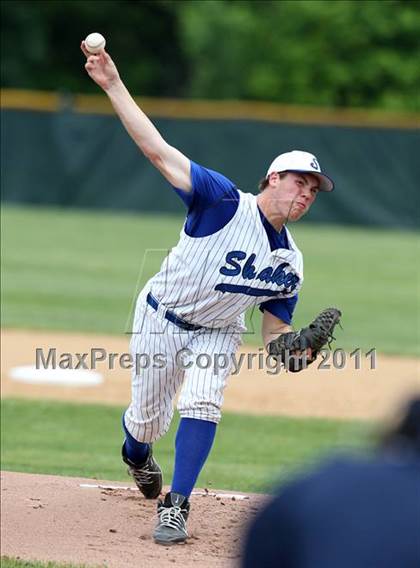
column 46, row 517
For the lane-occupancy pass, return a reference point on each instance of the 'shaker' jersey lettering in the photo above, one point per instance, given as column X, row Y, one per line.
column 212, row 280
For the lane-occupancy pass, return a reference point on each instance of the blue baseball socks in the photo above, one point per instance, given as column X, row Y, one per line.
column 136, row 452
column 193, row 443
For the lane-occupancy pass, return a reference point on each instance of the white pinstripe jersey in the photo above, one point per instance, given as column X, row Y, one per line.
column 212, row 280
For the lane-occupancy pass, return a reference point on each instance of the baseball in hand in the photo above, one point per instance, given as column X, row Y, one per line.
column 95, row 42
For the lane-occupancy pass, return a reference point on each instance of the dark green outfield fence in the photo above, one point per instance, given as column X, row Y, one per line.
column 85, row 160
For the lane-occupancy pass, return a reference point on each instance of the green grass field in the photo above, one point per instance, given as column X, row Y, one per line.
column 79, row 271
column 250, row 452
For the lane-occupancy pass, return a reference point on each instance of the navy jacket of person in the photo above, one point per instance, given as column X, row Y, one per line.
column 351, row 512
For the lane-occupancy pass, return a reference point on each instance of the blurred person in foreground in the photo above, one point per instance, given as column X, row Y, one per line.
column 351, row 512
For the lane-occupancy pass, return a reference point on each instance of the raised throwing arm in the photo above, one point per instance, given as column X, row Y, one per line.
column 172, row 163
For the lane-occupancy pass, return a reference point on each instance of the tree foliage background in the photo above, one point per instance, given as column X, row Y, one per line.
column 342, row 53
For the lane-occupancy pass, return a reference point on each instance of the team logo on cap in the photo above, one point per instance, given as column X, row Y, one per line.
column 314, row 164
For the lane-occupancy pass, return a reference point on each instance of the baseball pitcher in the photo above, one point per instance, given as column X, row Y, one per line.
column 234, row 252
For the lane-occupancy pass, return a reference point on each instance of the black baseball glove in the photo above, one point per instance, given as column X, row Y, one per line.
column 290, row 348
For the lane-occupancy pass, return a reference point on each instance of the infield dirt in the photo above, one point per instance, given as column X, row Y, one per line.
column 53, row 518
column 348, row 393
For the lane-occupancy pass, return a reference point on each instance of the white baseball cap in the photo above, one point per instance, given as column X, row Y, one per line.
column 304, row 162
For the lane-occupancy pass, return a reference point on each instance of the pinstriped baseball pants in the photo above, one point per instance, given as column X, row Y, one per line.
column 184, row 359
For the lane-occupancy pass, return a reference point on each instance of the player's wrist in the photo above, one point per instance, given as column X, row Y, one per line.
column 114, row 86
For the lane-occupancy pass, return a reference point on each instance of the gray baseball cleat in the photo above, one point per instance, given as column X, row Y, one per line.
column 173, row 513
column 147, row 476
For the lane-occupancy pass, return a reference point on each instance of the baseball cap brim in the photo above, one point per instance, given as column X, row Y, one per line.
column 325, row 182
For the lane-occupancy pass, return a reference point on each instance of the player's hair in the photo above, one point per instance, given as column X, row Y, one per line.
column 264, row 181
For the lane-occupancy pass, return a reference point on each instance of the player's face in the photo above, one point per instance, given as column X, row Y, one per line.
column 298, row 192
